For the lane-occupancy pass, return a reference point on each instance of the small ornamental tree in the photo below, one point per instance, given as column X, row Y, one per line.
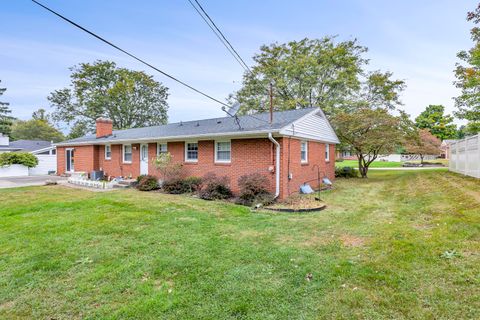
column 163, row 163
column 370, row 133
column 423, row 143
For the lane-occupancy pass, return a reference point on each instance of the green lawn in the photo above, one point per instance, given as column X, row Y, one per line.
column 375, row 164
column 375, row 253
column 381, row 164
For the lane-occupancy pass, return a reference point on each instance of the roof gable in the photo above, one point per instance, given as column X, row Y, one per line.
column 314, row 126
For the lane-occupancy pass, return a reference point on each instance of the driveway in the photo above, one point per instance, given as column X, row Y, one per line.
column 14, row 182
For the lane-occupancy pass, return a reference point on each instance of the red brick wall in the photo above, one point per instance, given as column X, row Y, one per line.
column 115, row 166
column 303, row 172
column 86, row 158
column 248, row 156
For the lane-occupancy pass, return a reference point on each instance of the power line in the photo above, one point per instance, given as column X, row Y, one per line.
column 224, row 41
column 128, row 53
column 220, row 35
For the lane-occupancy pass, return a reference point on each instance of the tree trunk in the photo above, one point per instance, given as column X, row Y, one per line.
column 421, row 158
column 361, row 167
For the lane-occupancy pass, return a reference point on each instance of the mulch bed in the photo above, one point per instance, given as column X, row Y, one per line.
column 298, row 203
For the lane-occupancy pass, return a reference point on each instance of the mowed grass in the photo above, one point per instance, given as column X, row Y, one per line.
column 384, row 164
column 375, row 164
column 375, row 253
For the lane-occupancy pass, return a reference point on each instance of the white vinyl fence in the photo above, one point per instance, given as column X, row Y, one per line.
column 465, row 156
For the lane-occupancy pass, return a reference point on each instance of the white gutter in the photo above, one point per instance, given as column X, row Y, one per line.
column 277, row 164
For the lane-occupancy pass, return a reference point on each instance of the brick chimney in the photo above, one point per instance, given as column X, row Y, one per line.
column 104, row 127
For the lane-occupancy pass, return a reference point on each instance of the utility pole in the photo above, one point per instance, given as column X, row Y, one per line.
column 271, row 103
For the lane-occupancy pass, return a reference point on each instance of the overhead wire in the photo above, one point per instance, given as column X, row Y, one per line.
column 129, row 54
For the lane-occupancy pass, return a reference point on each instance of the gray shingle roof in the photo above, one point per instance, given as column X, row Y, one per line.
column 215, row 126
column 29, row 145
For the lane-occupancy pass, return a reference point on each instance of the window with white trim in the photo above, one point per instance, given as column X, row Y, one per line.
column 161, row 148
column 127, row 153
column 108, row 152
column 327, row 152
column 223, row 151
column 304, row 151
column 191, row 151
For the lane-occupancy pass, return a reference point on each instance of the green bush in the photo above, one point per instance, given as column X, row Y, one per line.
column 25, row 158
column 179, row 186
column 175, row 186
column 140, row 177
column 215, row 188
column 346, row 172
column 254, row 189
column 148, row 183
column 193, row 183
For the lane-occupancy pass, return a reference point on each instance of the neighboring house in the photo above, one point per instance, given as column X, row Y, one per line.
column 45, row 151
column 445, row 147
column 287, row 151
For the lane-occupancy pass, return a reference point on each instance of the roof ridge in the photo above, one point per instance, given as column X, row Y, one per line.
column 219, row 118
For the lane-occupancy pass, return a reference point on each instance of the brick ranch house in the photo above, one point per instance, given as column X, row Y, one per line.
column 288, row 151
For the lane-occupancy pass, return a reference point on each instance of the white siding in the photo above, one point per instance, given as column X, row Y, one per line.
column 313, row 126
column 45, row 163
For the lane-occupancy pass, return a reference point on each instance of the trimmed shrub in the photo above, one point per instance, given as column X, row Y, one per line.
column 140, row 177
column 346, row 172
column 179, row 186
column 215, row 188
column 254, row 189
column 24, row 158
column 148, row 183
column 193, row 183
column 175, row 186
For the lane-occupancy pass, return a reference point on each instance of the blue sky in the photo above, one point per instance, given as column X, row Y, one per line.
column 416, row 40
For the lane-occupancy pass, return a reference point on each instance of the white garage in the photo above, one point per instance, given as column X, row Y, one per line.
column 45, row 151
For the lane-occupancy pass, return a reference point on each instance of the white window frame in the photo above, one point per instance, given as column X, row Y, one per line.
column 216, row 151
column 304, row 143
column 159, row 147
column 327, row 152
column 123, row 152
column 186, row 151
column 110, row 147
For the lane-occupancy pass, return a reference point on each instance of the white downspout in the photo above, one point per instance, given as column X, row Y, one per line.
column 277, row 164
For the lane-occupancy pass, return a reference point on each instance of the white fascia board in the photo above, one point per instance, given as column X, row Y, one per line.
column 43, row 149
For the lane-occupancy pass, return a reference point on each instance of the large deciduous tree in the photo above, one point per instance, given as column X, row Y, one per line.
column 423, row 143
column 468, row 74
column 5, row 118
column 437, row 122
column 101, row 89
column 38, row 128
column 318, row 72
column 370, row 132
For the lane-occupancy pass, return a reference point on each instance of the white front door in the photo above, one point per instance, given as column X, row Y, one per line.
column 144, row 158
